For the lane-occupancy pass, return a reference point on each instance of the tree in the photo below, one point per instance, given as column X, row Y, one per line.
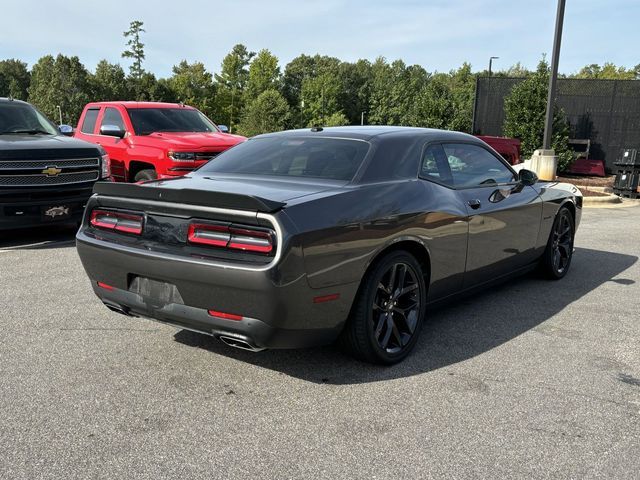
column 525, row 109
column 232, row 82
column 193, row 85
column 434, row 107
column 14, row 79
column 321, row 95
column 109, row 82
column 394, row 91
column 608, row 71
column 462, row 86
column 62, row 82
column 264, row 74
column 135, row 48
column 269, row 112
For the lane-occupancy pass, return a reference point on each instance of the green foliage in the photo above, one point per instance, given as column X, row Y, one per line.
column 232, row 82
column 608, row 71
column 525, row 109
column 135, row 48
column 109, row 82
column 268, row 112
column 193, row 85
column 264, row 74
column 321, row 96
column 14, row 79
column 63, row 82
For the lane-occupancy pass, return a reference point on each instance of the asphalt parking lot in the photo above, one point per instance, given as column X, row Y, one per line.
column 535, row 378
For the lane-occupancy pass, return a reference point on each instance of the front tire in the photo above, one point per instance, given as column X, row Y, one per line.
column 388, row 311
column 556, row 259
column 146, row 175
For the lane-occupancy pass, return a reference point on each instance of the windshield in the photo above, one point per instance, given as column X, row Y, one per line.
column 17, row 117
column 151, row 120
column 329, row 158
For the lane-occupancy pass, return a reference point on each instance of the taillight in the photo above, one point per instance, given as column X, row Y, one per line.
column 251, row 240
column 231, row 236
column 118, row 221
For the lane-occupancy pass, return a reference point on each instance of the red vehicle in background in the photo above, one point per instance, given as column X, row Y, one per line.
column 509, row 148
column 148, row 140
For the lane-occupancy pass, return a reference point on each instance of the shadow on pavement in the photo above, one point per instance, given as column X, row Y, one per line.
column 452, row 334
column 44, row 237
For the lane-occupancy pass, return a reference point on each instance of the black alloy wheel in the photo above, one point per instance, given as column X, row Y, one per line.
column 388, row 312
column 557, row 257
column 396, row 307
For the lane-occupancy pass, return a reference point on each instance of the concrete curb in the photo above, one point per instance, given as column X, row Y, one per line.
column 612, row 199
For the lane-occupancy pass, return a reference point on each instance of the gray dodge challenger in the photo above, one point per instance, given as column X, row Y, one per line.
column 307, row 237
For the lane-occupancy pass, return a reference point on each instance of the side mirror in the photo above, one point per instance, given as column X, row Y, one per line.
column 527, row 177
column 223, row 128
column 112, row 131
column 66, row 130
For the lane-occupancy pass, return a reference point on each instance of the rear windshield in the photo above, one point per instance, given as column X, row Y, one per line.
column 151, row 120
column 328, row 158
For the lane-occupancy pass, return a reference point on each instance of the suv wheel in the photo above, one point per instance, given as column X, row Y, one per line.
column 146, row 175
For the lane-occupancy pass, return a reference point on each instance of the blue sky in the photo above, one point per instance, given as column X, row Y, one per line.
column 437, row 34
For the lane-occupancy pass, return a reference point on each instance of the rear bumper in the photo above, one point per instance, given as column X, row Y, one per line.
column 25, row 209
column 278, row 308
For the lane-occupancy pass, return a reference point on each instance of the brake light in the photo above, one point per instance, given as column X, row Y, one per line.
column 231, row 236
column 118, row 221
column 206, row 234
column 105, row 286
column 226, row 316
column 251, row 240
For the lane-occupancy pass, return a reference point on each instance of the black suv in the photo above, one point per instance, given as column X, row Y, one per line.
column 45, row 176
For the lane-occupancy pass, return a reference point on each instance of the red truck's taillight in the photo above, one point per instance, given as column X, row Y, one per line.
column 118, row 221
column 231, row 236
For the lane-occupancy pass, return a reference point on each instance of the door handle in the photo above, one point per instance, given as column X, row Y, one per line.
column 475, row 203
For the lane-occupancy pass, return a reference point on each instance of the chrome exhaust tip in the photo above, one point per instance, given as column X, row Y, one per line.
column 241, row 343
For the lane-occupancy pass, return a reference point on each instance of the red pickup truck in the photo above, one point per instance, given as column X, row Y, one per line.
column 148, row 140
column 509, row 148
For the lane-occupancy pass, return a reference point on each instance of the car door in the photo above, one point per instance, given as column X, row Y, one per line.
column 504, row 215
column 116, row 147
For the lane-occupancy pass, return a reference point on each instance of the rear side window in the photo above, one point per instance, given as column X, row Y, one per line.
column 326, row 158
column 394, row 159
column 89, row 122
column 112, row 117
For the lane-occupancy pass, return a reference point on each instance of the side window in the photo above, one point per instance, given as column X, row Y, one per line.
column 112, row 117
column 89, row 122
column 473, row 166
column 434, row 165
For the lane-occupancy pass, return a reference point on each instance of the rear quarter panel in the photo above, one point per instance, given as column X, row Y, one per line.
column 342, row 234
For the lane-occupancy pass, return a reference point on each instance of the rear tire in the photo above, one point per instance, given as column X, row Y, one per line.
column 556, row 259
column 388, row 311
column 146, row 175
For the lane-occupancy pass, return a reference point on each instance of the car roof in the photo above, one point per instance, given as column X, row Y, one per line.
column 131, row 104
column 370, row 132
column 13, row 100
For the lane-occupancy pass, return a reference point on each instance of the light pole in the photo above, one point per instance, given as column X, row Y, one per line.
column 548, row 122
column 362, row 118
column 59, row 113
column 491, row 59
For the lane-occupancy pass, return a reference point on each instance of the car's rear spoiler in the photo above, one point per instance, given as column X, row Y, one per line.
column 189, row 196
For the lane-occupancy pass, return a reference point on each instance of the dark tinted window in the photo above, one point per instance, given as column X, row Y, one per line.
column 329, row 158
column 16, row 117
column 112, row 117
column 394, row 159
column 89, row 122
column 472, row 166
column 434, row 165
column 150, row 120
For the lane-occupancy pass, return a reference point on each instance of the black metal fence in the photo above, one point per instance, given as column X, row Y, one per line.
column 607, row 112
